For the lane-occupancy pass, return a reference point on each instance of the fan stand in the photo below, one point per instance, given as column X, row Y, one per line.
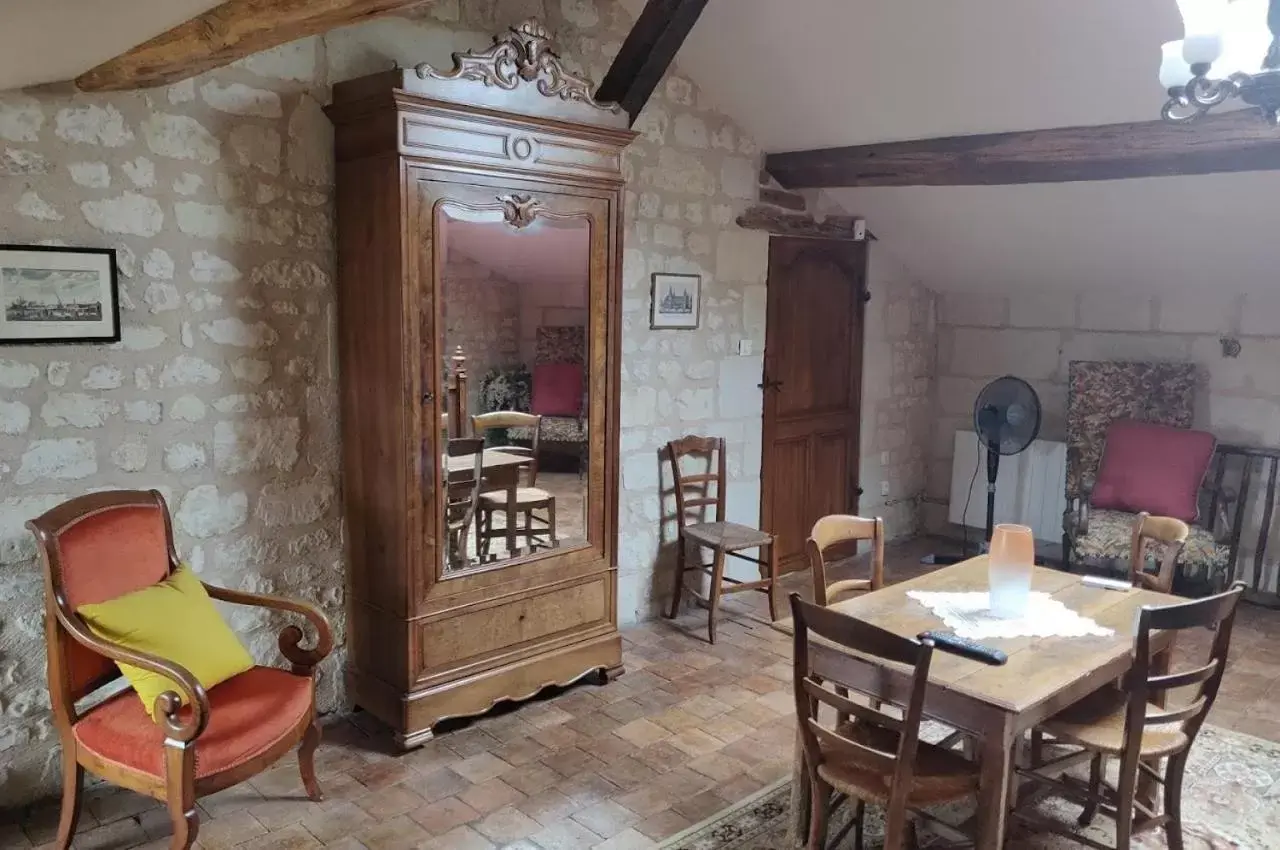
column 993, row 470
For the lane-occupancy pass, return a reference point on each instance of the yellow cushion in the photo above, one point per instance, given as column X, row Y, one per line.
column 176, row 620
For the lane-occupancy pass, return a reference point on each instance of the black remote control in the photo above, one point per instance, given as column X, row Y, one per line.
column 963, row 646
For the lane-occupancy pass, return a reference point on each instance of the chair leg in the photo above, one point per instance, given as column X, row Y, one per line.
column 1173, row 800
column 551, row 521
column 859, row 822
column 773, row 580
column 1037, row 748
column 72, row 783
column 820, row 795
column 180, row 795
column 1095, row 791
column 307, row 761
column 679, row 588
column 1126, row 790
column 911, row 842
column 713, row 598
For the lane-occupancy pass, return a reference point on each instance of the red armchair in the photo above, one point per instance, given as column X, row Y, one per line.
column 102, row 546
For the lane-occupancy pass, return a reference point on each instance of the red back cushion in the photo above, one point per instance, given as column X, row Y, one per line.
column 557, row 389
column 1152, row 468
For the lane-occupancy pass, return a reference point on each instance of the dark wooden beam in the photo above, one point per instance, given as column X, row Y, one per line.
column 1227, row 142
column 647, row 53
column 236, row 29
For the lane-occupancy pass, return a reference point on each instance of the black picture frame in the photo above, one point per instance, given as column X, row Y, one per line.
column 99, row 319
column 688, row 316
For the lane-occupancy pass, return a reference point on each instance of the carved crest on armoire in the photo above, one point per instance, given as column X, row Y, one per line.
column 482, row 567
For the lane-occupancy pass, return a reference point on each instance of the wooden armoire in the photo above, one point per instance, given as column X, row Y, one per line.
column 507, row 144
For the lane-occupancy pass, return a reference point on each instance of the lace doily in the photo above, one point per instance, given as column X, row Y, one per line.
column 969, row 616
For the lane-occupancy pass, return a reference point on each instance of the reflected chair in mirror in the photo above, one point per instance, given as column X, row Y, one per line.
column 462, row 495
column 98, row 548
column 1133, row 723
column 454, row 418
column 695, row 492
column 864, row 755
column 838, row 530
column 529, row 497
column 1164, row 535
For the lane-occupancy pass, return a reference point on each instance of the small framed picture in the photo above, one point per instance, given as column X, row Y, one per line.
column 677, row 301
column 58, row 295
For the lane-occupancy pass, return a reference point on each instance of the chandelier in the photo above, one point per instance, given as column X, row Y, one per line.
column 1230, row 48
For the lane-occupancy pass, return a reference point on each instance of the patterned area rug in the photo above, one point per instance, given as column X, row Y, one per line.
column 1230, row 801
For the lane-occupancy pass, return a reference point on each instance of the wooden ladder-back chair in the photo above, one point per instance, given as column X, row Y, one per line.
column 1166, row 533
column 102, row 546
column 1133, row 723
column 529, row 497
column 693, row 494
column 462, row 494
column 839, row 530
column 867, row 755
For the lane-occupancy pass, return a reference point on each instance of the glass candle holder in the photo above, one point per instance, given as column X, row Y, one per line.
column 1009, row 568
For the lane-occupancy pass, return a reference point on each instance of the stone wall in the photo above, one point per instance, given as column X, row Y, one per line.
column 1035, row 336
column 482, row 314
column 218, row 194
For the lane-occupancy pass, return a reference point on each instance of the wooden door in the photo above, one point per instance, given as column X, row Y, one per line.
column 812, row 387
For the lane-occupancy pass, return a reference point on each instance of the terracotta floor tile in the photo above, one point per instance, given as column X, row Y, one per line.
column 628, row 772
column 231, row 799
column 481, row 767
column 628, row 839
column 506, row 825
column 109, row 804
column 548, row 806
column 399, row 833
column 593, row 724
column 520, row 751
column 292, row 837
column 278, row 813
column 462, row 838
column 661, row 756
column 532, row 778
column 642, row 732
column 625, row 710
column 443, row 815
column 718, row 766
column 700, row 806
column 695, row 742
column 329, row 825
column 470, row 742
column 571, row 761
column 490, row 796
column 565, row 834
column 381, row 774
column 386, row 803
column 126, row 832
column 587, row 789
column 606, row 819
column 436, row 785
column 663, row 825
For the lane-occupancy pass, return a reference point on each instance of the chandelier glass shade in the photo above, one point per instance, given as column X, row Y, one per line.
column 1230, row 49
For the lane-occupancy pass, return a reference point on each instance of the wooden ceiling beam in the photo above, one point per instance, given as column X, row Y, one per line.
column 236, row 29
column 1214, row 144
column 647, row 52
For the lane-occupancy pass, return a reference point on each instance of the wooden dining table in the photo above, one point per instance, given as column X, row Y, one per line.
column 501, row 471
column 996, row 705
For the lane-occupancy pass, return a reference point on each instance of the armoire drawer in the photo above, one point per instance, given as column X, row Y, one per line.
column 487, row 634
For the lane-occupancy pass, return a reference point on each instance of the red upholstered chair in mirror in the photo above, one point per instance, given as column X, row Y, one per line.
column 100, row 547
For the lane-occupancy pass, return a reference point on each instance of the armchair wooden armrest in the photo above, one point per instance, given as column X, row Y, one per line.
column 304, row 661
column 168, row 704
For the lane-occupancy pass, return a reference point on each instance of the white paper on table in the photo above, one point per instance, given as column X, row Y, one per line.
column 969, row 615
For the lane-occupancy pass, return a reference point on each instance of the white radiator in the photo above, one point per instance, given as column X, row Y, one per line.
column 1030, row 487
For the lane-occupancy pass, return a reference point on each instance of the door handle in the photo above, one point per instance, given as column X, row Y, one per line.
column 766, row 384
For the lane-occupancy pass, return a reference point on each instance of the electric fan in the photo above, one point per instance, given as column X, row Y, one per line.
column 1006, row 418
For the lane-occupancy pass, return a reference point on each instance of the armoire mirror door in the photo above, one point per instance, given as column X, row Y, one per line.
column 520, row 293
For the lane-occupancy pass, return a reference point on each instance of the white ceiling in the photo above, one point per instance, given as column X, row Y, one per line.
column 548, row 253
column 46, row 41
column 802, row 74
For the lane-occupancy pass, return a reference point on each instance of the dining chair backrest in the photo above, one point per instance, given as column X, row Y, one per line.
column 483, row 422
column 840, row 530
column 817, row 672
column 697, row 490
column 464, row 492
column 1170, row 535
column 1216, row 613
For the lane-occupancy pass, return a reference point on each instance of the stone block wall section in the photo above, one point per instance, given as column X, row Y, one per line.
column 218, row 193
column 1035, row 336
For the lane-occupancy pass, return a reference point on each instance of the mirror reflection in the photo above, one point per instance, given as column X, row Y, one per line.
column 514, row 434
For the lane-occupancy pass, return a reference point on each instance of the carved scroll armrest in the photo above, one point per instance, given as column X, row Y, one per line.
column 290, row 641
column 1076, row 519
column 168, row 705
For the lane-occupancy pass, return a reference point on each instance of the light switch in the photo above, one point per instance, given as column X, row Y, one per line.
column 744, row 348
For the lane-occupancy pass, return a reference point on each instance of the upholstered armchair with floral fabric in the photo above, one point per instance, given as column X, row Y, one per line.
column 559, row 392
column 1099, row 394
